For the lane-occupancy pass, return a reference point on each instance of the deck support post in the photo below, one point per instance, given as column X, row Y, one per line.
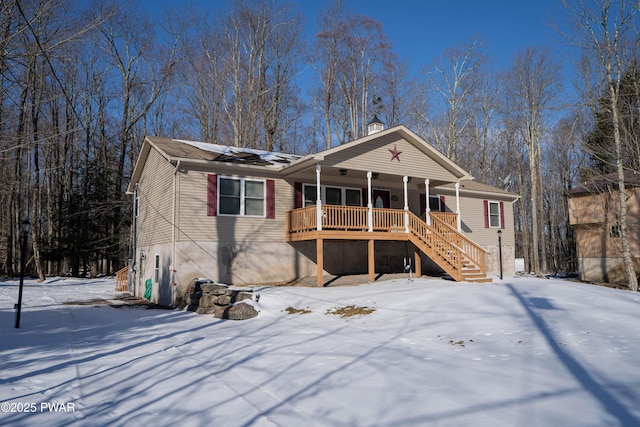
column 319, row 262
column 416, row 262
column 372, row 264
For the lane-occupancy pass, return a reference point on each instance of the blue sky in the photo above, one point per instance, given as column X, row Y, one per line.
column 422, row 29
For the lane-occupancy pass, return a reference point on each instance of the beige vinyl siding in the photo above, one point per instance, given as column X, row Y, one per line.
column 195, row 225
column 472, row 216
column 375, row 156
column 155, row 191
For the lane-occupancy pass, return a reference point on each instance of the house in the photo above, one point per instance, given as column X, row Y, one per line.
column 371, row 206
column 594, row 209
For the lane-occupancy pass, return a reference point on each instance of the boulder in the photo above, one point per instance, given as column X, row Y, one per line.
column 243, row 295
column 213, row 289
column 240, row 311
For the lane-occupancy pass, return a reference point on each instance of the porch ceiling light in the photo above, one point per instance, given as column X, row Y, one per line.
column 375, row 175
column 343, row 172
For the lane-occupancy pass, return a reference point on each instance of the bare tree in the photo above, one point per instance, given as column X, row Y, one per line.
column 533, row 83
column 452, row 79
column 606, row 31
column 352, row 55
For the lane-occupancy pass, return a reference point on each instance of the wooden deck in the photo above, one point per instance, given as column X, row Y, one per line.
column 458, row 256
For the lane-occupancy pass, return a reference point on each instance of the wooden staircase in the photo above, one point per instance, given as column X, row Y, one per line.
column 458, row 256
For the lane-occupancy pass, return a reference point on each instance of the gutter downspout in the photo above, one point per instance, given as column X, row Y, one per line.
column 133, row 268
column 173, row 236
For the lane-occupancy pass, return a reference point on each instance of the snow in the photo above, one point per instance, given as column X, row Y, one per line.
column 521, row 351
column 273, row 157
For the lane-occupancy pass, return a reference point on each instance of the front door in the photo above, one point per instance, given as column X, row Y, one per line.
column 381, row 199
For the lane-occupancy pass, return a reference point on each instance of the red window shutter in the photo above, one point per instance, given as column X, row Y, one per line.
column 501, row 214
column 486, row 213
column 212, row 195
column 443, row 207
column 297, row 201
column 423, row 203
column 271, row 198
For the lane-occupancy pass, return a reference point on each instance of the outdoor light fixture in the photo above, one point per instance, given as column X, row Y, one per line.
column 375, row 175
column 500, row 250
column 26, row 226
column 343, row 172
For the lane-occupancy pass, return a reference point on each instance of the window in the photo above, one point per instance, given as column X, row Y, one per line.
column 614, row 231
column 493, row 214
column 310, row 195
column 353, row 197
column 333, row 196
column 241, row 196
column 342, row 196
column 156, row 269
column 434, row 204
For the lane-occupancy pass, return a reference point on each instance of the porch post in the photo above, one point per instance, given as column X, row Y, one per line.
column 405, row 179
column 318, row 200
column 319, row 262
column 427, row 218
column 458, row 206
column 369, row 203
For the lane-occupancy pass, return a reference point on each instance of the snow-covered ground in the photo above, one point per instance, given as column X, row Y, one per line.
column 518, row 352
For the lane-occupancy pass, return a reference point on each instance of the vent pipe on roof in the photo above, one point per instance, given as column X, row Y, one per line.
column 375, row 125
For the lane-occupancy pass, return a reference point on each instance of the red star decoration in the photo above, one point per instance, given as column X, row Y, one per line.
column 395, row 154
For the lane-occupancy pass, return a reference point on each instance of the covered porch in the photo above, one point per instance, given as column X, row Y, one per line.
column 436, row 236
column 380, row 188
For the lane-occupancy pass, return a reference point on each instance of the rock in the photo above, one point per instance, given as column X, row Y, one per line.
column 206, row 310
column 223, row 300
column 213, row 289
column 208, row 300
column 241, row 296
column 241, row 311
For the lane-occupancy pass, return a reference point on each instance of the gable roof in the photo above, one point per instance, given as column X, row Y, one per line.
column 201, row 152
column 400, row 131
column 177, row 150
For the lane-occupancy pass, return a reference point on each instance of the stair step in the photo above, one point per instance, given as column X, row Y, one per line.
column 480, row 280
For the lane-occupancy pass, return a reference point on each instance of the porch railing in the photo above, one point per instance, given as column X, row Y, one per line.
column 474, row 252
column 446, row 217
column 440, row 239
column 122, row 279
column 348, row 218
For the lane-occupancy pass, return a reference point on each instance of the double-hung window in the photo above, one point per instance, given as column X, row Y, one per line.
column 241, row 196
column 494, row 214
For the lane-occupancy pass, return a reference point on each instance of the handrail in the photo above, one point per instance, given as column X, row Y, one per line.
column 474, row 252
column 439, row 239
column 450, row 218
column 437, row 245
column 122, row 279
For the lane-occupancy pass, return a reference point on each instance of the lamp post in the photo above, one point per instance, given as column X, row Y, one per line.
column 26, row 225
column 500, row 250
